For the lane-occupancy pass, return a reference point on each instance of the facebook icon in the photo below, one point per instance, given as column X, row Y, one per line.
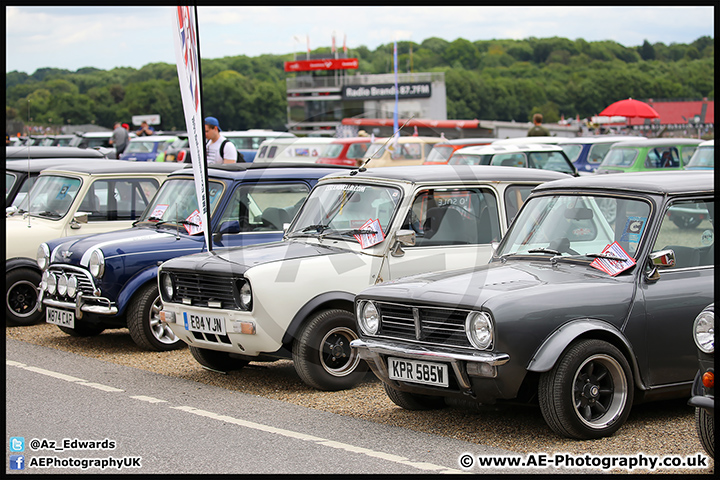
column 17, row 462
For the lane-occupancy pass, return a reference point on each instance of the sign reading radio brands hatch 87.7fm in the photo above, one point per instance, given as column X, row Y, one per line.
column 380, row 92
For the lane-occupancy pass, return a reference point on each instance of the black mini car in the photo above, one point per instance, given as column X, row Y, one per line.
column 703, row 390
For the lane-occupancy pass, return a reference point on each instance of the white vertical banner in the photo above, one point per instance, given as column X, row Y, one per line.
column 187, row 56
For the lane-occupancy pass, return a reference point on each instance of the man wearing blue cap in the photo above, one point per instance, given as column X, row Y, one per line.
column 219, row 148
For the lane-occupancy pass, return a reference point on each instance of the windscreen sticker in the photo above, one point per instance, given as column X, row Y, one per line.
column 369, row 239
column 707, row 238
column 613, row 267
column 195, row 224
column 346, row 187
column 63, row 192
column 633, row 229
column 159, row 210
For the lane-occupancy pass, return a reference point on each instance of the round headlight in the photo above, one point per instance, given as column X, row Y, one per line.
column 62, row 284
column 72, row 284
column 167, row 286
column 51, row 284
column 44, row 281
column 246, row 296
column 97, row 263
column 704, row 331
column 479, row 329
column 43, row 256
column 368, row 317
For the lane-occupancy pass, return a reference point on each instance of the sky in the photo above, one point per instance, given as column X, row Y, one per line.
column 74, row 37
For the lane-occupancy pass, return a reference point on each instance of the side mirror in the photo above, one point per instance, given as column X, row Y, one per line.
column 11, row 210
column 658, row 260
column 79, row 217
column 403, row 238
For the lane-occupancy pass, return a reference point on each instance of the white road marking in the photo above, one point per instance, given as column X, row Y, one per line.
column 248, row 424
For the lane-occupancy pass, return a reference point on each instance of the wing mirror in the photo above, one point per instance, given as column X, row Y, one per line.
column 658, row 260
column 403, row 238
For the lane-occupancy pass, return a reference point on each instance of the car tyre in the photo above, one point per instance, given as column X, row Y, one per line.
column 589, row 392
column 322, row 355
column 83, row 329
column 705, row 424
column 216, row 360
column 21, row 297
column 143, row 321
column 686, row 222
column 413, row 401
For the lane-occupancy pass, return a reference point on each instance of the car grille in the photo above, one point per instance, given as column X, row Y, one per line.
column 84, row 279
column 203, row 290
column 435, row 325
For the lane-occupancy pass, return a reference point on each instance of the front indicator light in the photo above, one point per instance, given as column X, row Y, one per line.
column 708, row 379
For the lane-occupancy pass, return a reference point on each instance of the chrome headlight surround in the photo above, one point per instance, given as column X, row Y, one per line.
column 245, row 296
column 479, row 330
column 167, row 287
column 368, row 317
column 72, row 285
column 96, row 264
column 704, row 331
column 43, row 256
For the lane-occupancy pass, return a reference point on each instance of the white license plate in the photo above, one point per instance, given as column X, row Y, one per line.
column 416, row 371
column 64, row 318
column 204, row 323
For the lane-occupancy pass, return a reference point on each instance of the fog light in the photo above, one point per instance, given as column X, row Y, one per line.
column 44, row 281
column 247, row 328
column 62, row 285
column 167, row 317
column 481, row 370
column 51, row 284
column 72, row 284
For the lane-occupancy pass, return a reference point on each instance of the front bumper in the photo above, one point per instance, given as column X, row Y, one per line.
column 375, row 353
column 99, row 305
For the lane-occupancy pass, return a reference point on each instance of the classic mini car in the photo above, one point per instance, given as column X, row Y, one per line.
column 111, row 278
column 703, row 158
column 346, row 151
column 581, row 315
column 147, row 148
column 292, row 149
column 652, row 154
column 587, row 153
column 541, row 156
column 703, row 390
column 247, row 142
column 441, row 152
column 78, row 199
column 294, row 298
column 409, row 150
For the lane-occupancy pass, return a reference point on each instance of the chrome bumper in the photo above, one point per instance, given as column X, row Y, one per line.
column 80, row 305
column 371, row 351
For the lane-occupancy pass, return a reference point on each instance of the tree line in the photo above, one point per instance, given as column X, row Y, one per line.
column 486, row 79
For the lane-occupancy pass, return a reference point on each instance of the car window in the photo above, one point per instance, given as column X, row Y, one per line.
column 687, row 153
column 510, row 160
column 263, row 207
column 454, row 217
column 118, row 199
column 702, row 157
column 51, row 196
column 598, row 152
column 515, row 196
column 572, row 151
column 662, row 157
column 407, row 151
column 440, row 153
column 176, row 200
column 10, row 179
column 357, row 150
column 620, row 157
column 333, row 150
column 688, row 230
column 554, row 161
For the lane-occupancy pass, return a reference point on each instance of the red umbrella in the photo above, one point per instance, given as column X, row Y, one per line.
column 630, row 108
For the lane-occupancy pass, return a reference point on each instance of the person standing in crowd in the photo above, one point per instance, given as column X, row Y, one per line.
column 145, row 130
column 538, row 130
column 219, row 148
column 120, row 138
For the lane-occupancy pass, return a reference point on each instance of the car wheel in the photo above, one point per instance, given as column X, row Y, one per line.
column 143, row 321
column 705, row 424
column 413, row 401
column 322, row 354
column 588, row 393
column 686, row 222
column 83, row 330
column 21, row 297
column 216, row 360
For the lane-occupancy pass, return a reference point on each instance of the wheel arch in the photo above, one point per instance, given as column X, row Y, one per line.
column 21, row 262
column 554, row 345
column 128, row 291
column 324, row 301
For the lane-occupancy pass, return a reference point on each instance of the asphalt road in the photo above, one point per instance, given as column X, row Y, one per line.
column 160, row 424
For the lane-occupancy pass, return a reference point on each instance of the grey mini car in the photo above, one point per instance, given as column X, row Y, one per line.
column 583, row 315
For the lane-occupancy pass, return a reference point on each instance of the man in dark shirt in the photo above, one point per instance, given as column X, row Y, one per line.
column 538, row 130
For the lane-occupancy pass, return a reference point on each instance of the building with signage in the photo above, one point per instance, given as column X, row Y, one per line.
column 324, row 91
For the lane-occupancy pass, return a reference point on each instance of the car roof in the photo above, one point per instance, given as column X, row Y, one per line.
column 41, row 164
column 709, row 143
column 117, row 166
column 352, row 140
column 493, row 149
column 600, row 139
column 154, row 138
column 658, row 142
column 520, row 140
column 411, row 139
column 670, row 182
column 257, row 133
column 465, row 141
column 33, row 152
column 263, row 170
column 444, row 173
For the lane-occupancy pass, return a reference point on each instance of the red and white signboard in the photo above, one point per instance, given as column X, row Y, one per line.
column 325, row 64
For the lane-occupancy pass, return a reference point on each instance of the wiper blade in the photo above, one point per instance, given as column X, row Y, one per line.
column 319, row 228
column 605, row 255
column 187, row 222
column 48, row 213
column 354, row 231
column 544, row 250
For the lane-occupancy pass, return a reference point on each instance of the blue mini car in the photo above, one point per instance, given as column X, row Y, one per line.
column 587, row 153
column 146, row 149
column 95, row 282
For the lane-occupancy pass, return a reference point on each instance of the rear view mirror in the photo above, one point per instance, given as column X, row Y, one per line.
column 578, row 213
